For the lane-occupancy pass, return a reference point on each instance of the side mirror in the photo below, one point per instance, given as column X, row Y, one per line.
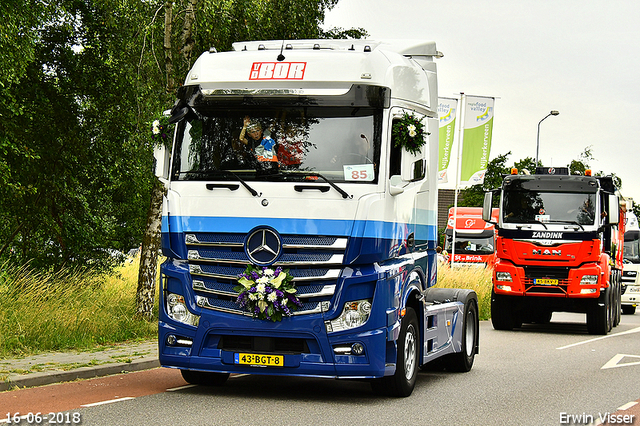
column 396, row 185
column 614, row 210
column 419, row 169
column 487, row 207
column 178, row 113
column 161, row 155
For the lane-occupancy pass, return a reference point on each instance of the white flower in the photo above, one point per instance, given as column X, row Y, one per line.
column 268, row 272
column 263, row 280
column 411, row 128
column 253, row 296
column 272, row 297
column 260, row 287
column 156, row 127
column 412, row 133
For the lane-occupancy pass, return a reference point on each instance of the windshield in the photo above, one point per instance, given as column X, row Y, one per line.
column 632, row 246
column 470, row 245
column 521, row 206
column 280, row 143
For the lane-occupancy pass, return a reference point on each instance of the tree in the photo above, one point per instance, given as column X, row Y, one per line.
column 496, row 169
column 74, row 165
column 579, row 165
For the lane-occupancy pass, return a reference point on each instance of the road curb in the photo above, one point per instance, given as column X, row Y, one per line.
column 50, row 377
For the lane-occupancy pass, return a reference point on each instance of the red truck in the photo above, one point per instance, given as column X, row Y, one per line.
column 559, row 247
column 474, row 237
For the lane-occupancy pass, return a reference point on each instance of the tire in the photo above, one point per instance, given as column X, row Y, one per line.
column 204, row 378
column 403, row 381
column 501, row 314
column 628, row 309
column 599, row 317
column 463, row 360
column 616, row 299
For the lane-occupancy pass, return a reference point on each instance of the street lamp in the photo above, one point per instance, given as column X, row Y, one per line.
column 553, row 112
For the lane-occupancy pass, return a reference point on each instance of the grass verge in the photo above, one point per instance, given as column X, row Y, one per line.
column 68, row 310
column 474, row 278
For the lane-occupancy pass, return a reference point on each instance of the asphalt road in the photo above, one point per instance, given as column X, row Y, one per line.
column 538, row 375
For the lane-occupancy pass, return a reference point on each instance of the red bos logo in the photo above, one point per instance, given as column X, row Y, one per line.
column 277, row 70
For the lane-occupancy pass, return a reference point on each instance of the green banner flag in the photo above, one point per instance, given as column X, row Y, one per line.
column 447, row 111
column 476, row 146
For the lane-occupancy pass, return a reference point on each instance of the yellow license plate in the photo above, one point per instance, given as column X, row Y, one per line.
column 546, row 281
column 259, row 359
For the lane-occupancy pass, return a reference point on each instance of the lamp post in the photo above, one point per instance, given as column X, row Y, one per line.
column 554, row 112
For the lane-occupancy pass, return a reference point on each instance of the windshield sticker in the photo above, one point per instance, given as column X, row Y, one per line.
column 277, row 70
column 543, row 217
column 359, row 172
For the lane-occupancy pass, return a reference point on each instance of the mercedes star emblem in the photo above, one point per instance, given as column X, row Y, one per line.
column 263, row 246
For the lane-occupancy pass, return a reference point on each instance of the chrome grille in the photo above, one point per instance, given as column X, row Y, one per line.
column 216, row 259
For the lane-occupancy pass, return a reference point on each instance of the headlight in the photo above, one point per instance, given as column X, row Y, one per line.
column 589, row 280
column 177, row 310
column 503, row 276
column 353, row 315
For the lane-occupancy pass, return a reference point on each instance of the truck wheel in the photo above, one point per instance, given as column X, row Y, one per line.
column 600, row 315
column 404, row 380
column 628, row 309
column 463, row 360
column 204, row 378
column 618, row 298
column 501, row 315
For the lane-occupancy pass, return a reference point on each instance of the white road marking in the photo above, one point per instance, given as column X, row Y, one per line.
column 613, row 362
column 181, row 387
column 111, row 401
column 633, row 330
column 627, row 405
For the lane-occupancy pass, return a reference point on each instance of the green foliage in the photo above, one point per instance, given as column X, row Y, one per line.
column 67, row 309
column 78, row 171
column 80, row 82
column 496, row 169
column 579, row 165
column 474, row 278
column 636, row 209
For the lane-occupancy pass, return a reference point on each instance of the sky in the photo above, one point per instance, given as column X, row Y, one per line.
column 581, row 58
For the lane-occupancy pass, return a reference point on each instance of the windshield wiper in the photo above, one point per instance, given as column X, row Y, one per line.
column 532, row 221
column 227, row 173
column 316, row 174
column 571, row 222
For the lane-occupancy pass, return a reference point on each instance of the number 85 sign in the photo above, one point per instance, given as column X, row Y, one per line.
column 359, row 172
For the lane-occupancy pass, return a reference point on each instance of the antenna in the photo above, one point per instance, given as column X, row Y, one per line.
column 280, row 57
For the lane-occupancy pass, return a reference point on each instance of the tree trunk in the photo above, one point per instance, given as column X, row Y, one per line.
column 187, row 32
column 168, row 56
column 149, row 255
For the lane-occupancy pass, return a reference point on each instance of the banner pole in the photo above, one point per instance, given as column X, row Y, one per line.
column 461, row 110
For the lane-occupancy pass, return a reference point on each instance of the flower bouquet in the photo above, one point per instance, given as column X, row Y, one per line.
column 409, row 133
column 160, row 130
column 266, row 293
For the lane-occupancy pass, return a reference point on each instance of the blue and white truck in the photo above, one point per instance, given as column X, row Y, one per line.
column 299, row 222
